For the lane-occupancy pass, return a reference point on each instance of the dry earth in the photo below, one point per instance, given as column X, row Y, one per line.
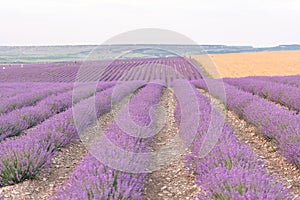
column 251, row 64
column 173, row 181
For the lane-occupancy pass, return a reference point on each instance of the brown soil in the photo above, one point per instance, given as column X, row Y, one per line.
column 251, row 64
column 172, row 181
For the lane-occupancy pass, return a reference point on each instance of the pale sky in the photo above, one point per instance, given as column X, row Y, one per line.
column 230, row 22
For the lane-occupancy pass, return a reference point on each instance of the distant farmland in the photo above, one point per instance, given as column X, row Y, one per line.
column 278, row 63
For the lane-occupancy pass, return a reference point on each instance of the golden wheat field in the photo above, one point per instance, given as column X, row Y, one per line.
column 251, row 64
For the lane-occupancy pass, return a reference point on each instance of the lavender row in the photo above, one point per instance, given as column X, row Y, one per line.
column 23, row 157
column 32, row 97
column 293, row 80
column 92, row 179
column 12, row 89
column 15, row 122
column 274, row 122
column 230, row 170
column 284, row 94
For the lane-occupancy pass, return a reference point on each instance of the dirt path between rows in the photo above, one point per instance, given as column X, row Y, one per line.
column 172, row 181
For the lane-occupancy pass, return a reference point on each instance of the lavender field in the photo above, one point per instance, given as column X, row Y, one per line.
column 249, row 128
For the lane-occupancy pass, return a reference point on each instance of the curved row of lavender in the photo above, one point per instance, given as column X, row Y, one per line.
column 13, row 123
column 30, row 98
column 273, row 122
column 292, row 80
column 230, row 170
column 92, row 179
column 108, row 70
column 280, row 93
column 23, row 157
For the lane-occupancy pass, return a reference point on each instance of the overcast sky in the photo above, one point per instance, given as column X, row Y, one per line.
column 231, row 22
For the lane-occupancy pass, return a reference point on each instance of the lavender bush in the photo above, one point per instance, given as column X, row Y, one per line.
column 293, row 80
column 8, row 90
column 31, row 98
column 286, row 95
column 23, row 158
column 93, row 180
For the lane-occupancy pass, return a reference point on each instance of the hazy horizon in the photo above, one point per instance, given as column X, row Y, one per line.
column 61, row 45
column 258, row 23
